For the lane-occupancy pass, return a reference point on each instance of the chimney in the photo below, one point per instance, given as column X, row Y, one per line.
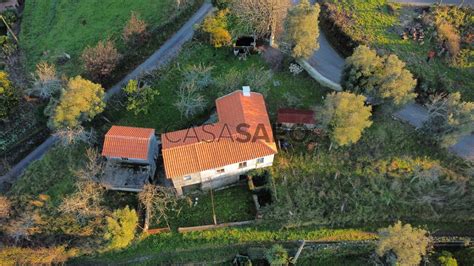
column 246, row 91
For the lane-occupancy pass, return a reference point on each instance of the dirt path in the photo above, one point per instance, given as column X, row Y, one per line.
column 163, row 55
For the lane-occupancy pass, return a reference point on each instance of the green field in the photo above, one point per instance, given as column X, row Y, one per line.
column 51, row 27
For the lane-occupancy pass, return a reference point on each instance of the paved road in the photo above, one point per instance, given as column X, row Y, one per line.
column 166, row 52
column 431, row 2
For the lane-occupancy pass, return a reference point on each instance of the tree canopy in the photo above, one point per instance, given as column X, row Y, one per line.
column 402, row 243
column 121, row 228
column 449, row 118
column 345, row 116
column 8, row 96
column 81, row 100
column 216, row 27
column 378, row 78
column 302, row 31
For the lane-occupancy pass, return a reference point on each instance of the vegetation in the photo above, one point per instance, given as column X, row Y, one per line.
column 29, row 256
column 158, row 202
column 135, row 32
column 449, row 119
column 121, row 228
column 277, row 255
column 301, row 33
column 99, row 61
column 345, row 116
column 378, row 77
column 447, row 259
column 46, row 81
column 402, row 244
column 216, row 27
column 139, row 97
column 8, row 95
column 81, row 101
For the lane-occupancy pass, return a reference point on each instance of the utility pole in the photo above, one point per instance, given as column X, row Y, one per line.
column 9, row 29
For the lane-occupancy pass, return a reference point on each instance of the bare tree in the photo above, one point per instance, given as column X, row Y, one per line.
column 190, row 101
column 46, row 81
column 85, row 202
column 68, row 136
column 261, row 17
column 5, row 207
column 157, row 201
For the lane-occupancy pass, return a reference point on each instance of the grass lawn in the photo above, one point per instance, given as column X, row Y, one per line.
column 51, row 28
column 231, row 205
column 375, row 25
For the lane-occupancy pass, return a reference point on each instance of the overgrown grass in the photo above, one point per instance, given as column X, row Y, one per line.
column 231, row 205
column 51, row 28
column 376, row 26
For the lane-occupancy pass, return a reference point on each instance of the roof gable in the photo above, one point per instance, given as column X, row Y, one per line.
column 128, row 142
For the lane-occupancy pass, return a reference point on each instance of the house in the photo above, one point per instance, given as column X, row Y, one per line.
column 215, row 155
column 131, row 158
column 292, row 118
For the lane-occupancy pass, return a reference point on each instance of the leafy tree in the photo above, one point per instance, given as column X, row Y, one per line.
column 82, row 100
column 8, row 96
column 447, row 259
column 135, row 31
column 157, row 201
column 301, row 29
column 139, row 98
column 260, row 18
column 99, row 61
column 378, row 78
column 216, row 27
column 277, row 255
column 46, row 82
column 121, row 228
column 402, row 244
column 190, row 102
column 345, row 116
column 449, row 118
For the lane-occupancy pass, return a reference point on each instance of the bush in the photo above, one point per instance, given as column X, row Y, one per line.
column 447, row 33
column 121, row 228
column 101, row 60
column 447, row 259
column 46, row 82
column 277, row 255
column 31, row 256
column 216, row 27
column 135, row 32
column 8, row 96
column 199, row 74
column 139, row 98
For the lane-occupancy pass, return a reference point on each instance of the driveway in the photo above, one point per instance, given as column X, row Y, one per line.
column 166, row 52
column 431, row 2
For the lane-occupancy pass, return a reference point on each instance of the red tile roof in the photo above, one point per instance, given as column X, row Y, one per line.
column 295, row 116
column 127, row 142
column 215, row 145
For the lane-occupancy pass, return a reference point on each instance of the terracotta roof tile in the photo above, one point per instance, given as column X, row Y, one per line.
column 127, row 142
column 212, row 146
column 295, row 116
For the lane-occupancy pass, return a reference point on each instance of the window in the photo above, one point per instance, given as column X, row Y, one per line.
column 220, row 171
column 124, row 159
column 187, row 178
column 260, row 160
column 243, row 165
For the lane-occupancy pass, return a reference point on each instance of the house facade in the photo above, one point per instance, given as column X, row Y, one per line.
column 131, row 155
column 215, row 155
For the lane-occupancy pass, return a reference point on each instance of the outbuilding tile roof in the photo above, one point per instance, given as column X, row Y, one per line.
column 127, row 142
column 295, row 116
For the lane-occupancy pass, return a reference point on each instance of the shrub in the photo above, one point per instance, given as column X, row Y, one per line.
column 447, row 33
column 216, row 27
column 31, row 256
column 8, row 96
column 277, row 255
column 5, row 207
column 101, row 60
column 135, row 32
column 447, row 259
column 121, row 228
column 81, row 101
column 199, row 74
column 402, row 244
column 46, row 82
column 139, row 98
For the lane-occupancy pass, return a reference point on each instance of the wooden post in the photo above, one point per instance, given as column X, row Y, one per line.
column 213, row 210
column 298, row 253
column 9, row 29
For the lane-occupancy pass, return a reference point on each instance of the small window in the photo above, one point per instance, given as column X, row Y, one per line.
column 242, row 164
column 187, row 178
column 124, row 159
column 260, row 160
column 220, row 171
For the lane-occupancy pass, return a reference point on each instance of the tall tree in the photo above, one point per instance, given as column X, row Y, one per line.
column 449, row 118
column 402, row 244
column 260, row 17
column 82, row 100
column 378, row 78
column 157, row 201
column 302, row 29
column 345, row 116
